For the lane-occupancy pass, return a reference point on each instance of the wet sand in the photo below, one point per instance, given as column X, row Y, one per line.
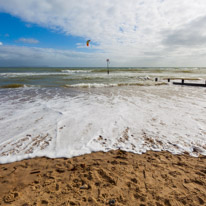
column 112, row 178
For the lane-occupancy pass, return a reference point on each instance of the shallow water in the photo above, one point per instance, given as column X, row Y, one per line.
column 92, row 77
column 65, row 121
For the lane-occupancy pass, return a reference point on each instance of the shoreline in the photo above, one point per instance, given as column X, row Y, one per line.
column 105, row 178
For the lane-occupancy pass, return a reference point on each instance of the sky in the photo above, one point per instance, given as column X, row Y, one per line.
column 131, row 33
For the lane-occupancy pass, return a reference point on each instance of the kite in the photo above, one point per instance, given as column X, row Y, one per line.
column 88, row 42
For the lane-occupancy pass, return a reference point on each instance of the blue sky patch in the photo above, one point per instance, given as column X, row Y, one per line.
column 14, row 31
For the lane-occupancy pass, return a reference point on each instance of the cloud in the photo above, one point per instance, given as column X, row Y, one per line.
column 27, row 56
column 133, row 31
column 33, row 56
column 1, row 43
column 28, row 40
column 28, row 25
column 192, row 34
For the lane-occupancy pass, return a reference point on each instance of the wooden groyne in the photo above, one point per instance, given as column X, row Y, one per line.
column 190, row 84
column 186, row 84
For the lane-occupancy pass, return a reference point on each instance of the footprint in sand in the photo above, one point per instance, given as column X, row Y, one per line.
column 11, row 197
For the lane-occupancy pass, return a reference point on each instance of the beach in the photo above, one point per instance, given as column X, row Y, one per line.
column 111, row 178
column 102, row 103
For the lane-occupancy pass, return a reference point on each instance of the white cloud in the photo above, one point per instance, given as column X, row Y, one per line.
column 128, row 30
column 33, row 56
column 25, row 56
column 28, row 40
column 28, row 25
column 1, row 43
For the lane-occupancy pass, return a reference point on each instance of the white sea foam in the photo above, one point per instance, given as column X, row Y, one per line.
column 134, row 119
column 99, row 85
column 76, row 71
column 22, row 74
column 91, row 85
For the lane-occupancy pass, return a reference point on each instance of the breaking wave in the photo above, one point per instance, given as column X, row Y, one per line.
column 96, row 85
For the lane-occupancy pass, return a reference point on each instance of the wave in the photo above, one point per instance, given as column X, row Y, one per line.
column 179, row 78
column 90, row 85
column 13, row 86
column 96, row 85
column 30, row 74
column 76, row 71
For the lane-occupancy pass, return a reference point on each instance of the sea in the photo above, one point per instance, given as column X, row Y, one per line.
column 66, row 112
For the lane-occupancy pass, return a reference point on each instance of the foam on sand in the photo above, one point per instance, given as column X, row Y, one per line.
column 43, row 122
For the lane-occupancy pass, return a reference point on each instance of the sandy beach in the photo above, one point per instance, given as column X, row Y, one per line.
column 112, row 178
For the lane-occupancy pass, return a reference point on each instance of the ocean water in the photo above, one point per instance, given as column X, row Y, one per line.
column 65, row 112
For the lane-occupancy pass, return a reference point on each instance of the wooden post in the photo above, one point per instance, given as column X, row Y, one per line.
column 107, row 66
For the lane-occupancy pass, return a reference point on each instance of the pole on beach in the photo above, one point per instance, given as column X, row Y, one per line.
column 107, row 66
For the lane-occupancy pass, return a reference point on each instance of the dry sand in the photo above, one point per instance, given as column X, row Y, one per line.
column 112, row 178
